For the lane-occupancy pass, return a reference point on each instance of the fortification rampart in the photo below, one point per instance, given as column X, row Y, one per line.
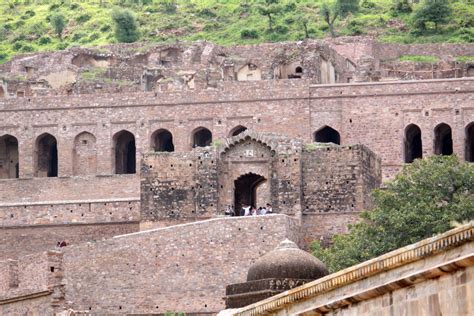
column 37, row 213
column 181, row 268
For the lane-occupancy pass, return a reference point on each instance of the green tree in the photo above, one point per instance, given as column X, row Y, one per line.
column 58, row 22
column 303, row 16
column 126, row 26
column 423, row 200
column 332, row 10
column 432, row 11
column 401, row 6
column 270, row 8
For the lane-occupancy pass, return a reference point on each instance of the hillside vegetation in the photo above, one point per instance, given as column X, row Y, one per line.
column 57, row 25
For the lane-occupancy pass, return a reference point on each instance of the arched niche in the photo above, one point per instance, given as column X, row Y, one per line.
column 46, row 156
column 162, row 141
column 201, row 137
column 443, row 140
column 9, row 166
column 124, row 153
column 84, row 154
column 327, row 134
column 469, row 149
column 412, row 143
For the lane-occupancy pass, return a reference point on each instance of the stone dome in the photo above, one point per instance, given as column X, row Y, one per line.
column 287, row 261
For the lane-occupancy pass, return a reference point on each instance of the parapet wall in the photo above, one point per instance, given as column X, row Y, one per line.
column 181, row 268
column 37, row 213
column 64, row 190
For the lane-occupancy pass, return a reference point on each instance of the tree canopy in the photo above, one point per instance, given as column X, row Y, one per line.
column 432, row 11
column 58, row 22
column 331, row 11
column 126, row 27
column 423, row 200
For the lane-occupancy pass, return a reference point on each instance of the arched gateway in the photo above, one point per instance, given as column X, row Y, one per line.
column 247, row 166
column 246, row 191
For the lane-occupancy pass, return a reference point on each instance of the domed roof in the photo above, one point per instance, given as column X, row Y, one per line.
column 287, row 261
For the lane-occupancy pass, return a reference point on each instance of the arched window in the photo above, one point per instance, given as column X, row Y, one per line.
column 84, row 154
column 46, row 156
column 162, row 140
column 202, row 137
column 470, row 142
column 413, row 145
column 125, row 153
column 9, row 167
column 298, row 70
column 327, row 135
column 443, row 144
column 237, row 130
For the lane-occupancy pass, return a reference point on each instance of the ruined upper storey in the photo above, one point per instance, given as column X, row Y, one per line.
column 202, row 65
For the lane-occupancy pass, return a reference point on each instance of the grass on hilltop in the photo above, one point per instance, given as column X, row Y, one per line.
column 26, row 28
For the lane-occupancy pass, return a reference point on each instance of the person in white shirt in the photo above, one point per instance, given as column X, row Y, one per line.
column 246, row 210
column 269, row 208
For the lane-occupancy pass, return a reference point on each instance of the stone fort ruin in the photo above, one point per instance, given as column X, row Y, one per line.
column 131, row 153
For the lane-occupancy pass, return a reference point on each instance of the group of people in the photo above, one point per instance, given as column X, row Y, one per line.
column 249, row 210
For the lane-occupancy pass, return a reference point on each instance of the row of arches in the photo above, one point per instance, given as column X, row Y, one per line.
column 45, row 157
column 443, row 142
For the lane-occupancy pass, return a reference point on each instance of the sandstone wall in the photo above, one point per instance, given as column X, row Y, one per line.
column 339, row 179
column 372, row 114
column 31, row 284
column 386, row 51
column 179, row 186
column 376, row 115
column 182, row 268
column 16, row 241
column 37, row 213
column 31, row 191
column 336, row 183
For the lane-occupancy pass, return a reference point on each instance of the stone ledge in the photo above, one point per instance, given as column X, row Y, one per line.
column 4, row 301
column 418, row 251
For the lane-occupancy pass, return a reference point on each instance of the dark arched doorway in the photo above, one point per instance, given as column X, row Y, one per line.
column 245, row 190
column 8, row 157
column 327, row 135
column 443, row 144
column 202, row 137
column 413, row 145
column 469, row 155
column 46, row 156
column 237, row 130
column 162, row 141
column 125, row 153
